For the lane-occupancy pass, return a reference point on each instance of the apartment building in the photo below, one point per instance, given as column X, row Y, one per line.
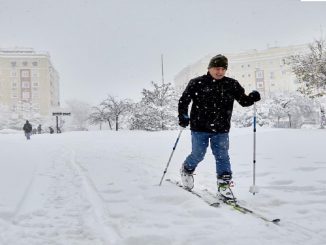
column 28, row 81
column 264, row 70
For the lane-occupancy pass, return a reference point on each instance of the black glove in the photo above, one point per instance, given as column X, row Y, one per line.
column 255, row 96
column 184, row 120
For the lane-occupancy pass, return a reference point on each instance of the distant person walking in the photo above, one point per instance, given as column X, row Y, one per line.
column 28, row 130
column 39, row 129
column 51, row 130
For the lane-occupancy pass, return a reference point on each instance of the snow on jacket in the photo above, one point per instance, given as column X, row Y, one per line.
column 212, row 102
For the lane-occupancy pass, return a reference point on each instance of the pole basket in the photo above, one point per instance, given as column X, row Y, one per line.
column 254, row 189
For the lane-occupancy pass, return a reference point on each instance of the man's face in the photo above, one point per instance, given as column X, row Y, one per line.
column 217, row 72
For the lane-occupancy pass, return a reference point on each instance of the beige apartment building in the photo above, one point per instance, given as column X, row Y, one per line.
column 264, row 70
column 28, row 82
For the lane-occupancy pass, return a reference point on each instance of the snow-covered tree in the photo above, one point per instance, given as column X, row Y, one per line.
column 80, row 112
column 99, row 115
column 282, row 110
column 295, row 107
column 116, row 109
column 15, row 118
column 157, row 109
column 4, row 116
column 310, row 69
column 276, row 109
column 243, row 116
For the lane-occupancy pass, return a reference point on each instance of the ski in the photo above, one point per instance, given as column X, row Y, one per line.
column 236, row 206
column 215, row 200
column 202, row 196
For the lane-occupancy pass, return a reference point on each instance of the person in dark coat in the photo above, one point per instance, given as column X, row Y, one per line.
column 27, row 130
column 212, row 96
column 39, row 129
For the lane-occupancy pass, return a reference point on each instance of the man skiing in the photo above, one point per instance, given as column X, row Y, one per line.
column 28, row 130
column 212, row 97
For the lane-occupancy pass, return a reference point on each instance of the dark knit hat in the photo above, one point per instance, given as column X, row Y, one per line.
column 218, row 61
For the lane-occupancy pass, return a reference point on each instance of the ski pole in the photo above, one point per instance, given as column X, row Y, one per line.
column 254, row 189
column 175, row 145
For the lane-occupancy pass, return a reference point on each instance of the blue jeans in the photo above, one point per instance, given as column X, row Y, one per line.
column 220, row 147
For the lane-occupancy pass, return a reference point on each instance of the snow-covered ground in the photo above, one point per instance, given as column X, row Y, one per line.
column 102, row 188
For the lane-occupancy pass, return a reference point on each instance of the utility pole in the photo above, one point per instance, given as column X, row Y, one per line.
column 162, row 67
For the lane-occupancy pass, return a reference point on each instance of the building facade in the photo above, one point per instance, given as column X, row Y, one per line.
column 28, row 82
column 266, row 71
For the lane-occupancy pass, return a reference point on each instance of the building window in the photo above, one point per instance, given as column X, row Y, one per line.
column 13, row 63
column 26, row 95
column 36, row 106
column 25, row 84
column 35, row 95
column 25, row 63
column 13, row 73
column 26, row 106
column 35, row 63
column 259, row 74
column 25, row 73
column 35, row 74
column 35, row 84
column 272, row 75
column 260, row 85
column 14, row 95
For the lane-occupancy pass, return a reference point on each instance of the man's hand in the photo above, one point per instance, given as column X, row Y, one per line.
column 184, row 120
column 255, row 96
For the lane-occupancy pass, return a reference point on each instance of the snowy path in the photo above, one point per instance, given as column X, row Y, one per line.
column 59, row 206
column 101, row 188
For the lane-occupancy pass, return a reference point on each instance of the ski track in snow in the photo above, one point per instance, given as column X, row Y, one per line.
column 69, row 210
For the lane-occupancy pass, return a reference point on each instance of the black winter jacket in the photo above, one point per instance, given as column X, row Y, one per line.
column 212, row 102
column 27, row 127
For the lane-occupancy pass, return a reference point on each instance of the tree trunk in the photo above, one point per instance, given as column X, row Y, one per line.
column 116, row 123
column 110, row 125
column 322, row 117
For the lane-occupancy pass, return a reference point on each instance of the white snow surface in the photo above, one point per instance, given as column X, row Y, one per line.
column 101, row 187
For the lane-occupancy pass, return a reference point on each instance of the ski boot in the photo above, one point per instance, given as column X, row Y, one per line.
column 224, row 184
column 187, row 178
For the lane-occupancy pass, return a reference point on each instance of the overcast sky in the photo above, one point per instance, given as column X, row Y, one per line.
column 102, row 47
